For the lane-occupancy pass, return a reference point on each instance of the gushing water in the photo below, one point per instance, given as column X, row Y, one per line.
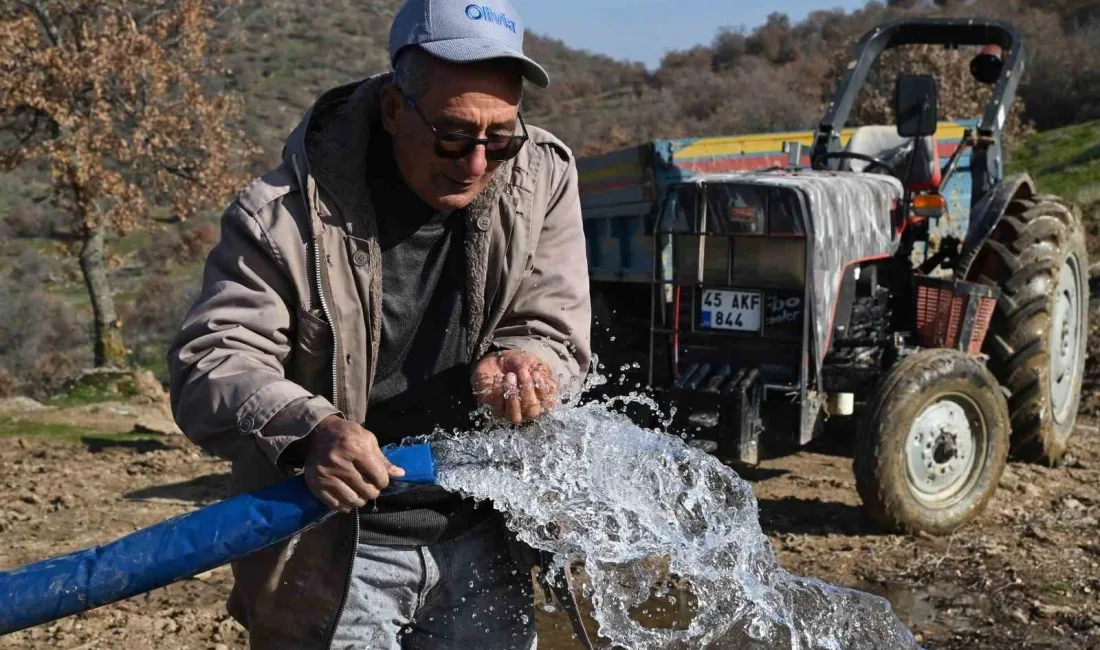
column 585, row 482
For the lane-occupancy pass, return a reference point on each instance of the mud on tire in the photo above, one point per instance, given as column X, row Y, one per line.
column 1036, row 342
column 920, row 466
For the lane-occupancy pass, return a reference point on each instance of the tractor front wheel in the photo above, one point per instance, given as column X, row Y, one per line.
column 932, row 443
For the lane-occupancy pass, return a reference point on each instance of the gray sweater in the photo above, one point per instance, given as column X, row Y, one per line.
column 423, row 372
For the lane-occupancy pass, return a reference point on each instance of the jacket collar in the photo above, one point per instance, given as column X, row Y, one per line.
column 330, row 144
column 336, row 132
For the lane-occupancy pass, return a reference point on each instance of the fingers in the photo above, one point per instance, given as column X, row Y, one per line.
column 374, row 464
column 490, row 390
column 537, row 389
column 515, row 384
column 393, row 470
column 511, row 399
column 485, row 383
column 374, row 468
column 546, row 387
column 334, row 490
column 529, row 404
column 345, row 468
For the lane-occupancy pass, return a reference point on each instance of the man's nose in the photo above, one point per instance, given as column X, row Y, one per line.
column 475, row 162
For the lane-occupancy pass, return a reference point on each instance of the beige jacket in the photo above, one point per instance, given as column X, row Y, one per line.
column 257, row 365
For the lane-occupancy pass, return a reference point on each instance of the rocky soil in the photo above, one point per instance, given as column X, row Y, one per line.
column 1025, row 575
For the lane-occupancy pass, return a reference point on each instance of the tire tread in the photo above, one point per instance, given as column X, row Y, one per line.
column 1030, row 244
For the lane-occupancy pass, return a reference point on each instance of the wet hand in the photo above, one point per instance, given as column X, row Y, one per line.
column 516, row 385
column 345, row 467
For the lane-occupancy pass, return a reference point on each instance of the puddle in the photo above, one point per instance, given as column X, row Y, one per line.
column 916, row 607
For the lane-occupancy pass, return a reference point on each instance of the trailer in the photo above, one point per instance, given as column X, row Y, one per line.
column 623, row 193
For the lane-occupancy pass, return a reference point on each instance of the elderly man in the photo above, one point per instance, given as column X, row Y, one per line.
column 418, row 253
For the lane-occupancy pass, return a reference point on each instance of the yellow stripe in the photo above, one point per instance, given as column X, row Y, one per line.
column 630, row 170
column 773, row 142
column 744, row 144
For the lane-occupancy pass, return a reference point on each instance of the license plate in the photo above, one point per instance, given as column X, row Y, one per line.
column 731, row 310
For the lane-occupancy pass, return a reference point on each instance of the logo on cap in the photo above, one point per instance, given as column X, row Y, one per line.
column 475, row 12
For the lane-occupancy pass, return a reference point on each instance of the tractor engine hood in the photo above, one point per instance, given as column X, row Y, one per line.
column 849, row 222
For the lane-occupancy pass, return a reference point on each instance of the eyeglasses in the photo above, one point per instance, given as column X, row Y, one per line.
column 452, row 145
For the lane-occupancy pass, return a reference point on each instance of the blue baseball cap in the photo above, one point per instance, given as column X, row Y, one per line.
column 463, row 32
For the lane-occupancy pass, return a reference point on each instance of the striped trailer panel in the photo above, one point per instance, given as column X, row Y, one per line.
column 621, row 191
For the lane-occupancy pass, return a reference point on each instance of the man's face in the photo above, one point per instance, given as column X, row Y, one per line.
column 476, row 101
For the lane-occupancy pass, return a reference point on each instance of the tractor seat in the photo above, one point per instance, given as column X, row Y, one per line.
column 884, row 143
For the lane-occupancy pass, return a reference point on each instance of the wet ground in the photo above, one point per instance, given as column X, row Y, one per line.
column 1023, row 576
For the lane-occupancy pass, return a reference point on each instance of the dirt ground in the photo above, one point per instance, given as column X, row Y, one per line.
column 1024, row 576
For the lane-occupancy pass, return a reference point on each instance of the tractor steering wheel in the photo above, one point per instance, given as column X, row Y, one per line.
column 871, row 160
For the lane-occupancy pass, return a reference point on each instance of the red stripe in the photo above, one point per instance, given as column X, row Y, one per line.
column 608, row 186
column 735, row 164
column 944, row 150
column 739, row 164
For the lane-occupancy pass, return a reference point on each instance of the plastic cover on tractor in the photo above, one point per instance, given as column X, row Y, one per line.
column 850, row 221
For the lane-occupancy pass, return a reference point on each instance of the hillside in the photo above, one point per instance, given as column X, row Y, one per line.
column 280, row 56
column 283, row 55
column 1066, row 162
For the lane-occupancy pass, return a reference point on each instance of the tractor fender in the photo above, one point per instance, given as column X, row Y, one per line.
column 985, row 216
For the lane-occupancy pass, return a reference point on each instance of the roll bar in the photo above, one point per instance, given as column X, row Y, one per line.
column 933, row 31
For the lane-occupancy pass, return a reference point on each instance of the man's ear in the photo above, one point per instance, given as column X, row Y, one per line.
column 391, row 105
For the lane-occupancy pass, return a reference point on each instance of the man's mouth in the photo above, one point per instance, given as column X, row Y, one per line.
column 462, row 184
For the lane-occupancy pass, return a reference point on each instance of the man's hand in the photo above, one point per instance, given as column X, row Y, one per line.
column 344, row 467
column 515, row 384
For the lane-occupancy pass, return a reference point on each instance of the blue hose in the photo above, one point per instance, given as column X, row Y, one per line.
column 176, row 549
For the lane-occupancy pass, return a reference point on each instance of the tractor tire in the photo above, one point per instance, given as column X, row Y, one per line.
column 1037, row 338
column 932, row 443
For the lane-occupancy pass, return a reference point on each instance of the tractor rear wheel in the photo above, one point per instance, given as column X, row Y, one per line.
column 1037, row 339
column 932, row 443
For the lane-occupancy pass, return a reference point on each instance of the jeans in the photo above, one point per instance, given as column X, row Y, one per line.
column 466, row 593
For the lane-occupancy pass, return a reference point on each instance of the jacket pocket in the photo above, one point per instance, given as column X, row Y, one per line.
column 312, row 368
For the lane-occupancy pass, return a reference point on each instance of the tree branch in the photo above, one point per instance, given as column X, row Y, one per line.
column 44, row 18
column 180, row 172
column 24, row 139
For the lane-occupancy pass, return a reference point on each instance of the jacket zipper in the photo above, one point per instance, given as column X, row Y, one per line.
column 328, row 317
column 319, row 279
column 349, row 573
column 317, row 276
column 347, row 582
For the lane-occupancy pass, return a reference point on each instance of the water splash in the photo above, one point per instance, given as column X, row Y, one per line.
column 585, row 482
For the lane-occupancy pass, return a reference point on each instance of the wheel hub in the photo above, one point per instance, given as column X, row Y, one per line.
column 940, row 452
column 946, row 447
column 1066, row 343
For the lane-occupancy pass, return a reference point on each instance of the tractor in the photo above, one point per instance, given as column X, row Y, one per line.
column 891, row 277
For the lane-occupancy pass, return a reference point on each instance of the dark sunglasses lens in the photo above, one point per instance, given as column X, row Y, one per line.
column 454, row 145
column 505, row 149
